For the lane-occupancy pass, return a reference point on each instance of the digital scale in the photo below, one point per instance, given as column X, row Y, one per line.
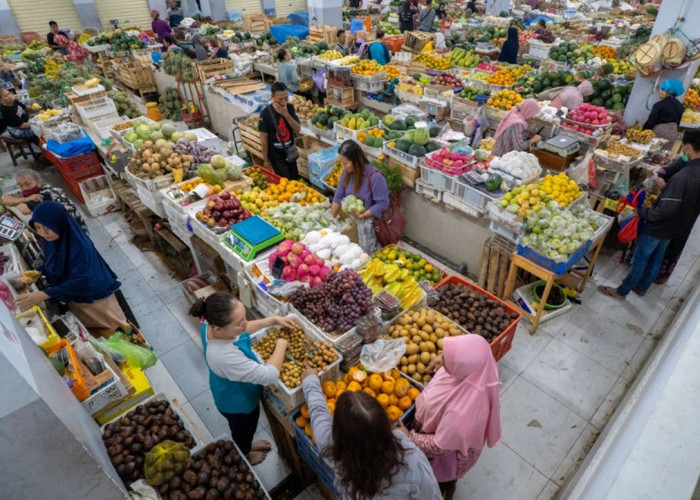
column 562, row 145
column 251, row 236
column 10, row 228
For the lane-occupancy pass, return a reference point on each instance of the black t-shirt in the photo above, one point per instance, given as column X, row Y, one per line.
column 15, row 115
column 277, row 140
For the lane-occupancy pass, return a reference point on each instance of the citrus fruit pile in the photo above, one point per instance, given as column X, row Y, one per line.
column 501, row 77
column 367, row 67
column 258, row 200
column 692, row 99
column 259, row 179
column 561, row 188
column 373, row 138
column 433, row 62
column 504, row 99
column 391, row 71
column 333, row 179
column 523, row 200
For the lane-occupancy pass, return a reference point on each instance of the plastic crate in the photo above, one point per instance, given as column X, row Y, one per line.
column 504, row 218
column 397, row 154
column 79, row 388
column 372, row 151
column 320, row 163
column 292, row 398
column 437, row 179
column 539, row 50
column 264, row 302
column 405, row 96
column 153, row 185
column 428, row 190
column 91, row 110
column 343, row 133
column 501, row 344
column 558, row 268
column 311, row 455
column 473, row 196
column 451, row 201
column 461, row 108
column 605, row 223
column 53, row 337
column 336, row 339
column 152, row 200
column 98, row 195
column 272, row 178
column 506, row 233
column 111, row 391
column 213, row 238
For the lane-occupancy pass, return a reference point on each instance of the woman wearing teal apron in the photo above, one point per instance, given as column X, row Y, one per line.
column 236, row 377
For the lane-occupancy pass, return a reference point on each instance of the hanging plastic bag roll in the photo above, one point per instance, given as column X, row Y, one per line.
column 382, row 355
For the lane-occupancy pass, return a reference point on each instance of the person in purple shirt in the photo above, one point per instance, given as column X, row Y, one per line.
column 160, row 27
column 362, row 180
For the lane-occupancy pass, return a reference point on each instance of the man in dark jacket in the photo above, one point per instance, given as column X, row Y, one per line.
column 673, row 215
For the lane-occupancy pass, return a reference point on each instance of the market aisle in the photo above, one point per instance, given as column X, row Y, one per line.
column 560, row 385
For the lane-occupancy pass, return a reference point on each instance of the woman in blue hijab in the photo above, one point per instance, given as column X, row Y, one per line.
column 76, row 272
column 666, row 114
column 509, row 52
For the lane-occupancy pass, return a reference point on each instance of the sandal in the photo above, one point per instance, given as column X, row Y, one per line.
column 610, row 292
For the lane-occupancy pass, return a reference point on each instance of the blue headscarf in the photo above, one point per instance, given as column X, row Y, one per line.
column 509, row 52
column 72, row 264
column 673, row 87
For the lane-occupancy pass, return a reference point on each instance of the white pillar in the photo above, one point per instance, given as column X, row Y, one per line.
column 328, row 12
column 8, row 23
column 87, row 12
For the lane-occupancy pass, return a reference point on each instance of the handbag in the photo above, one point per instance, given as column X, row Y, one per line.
column 291, row 152
column 389, row 227
column 629, row 228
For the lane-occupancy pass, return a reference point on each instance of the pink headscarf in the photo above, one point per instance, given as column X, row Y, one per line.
column 462, row 407
column 527, row 109
column 572, row 97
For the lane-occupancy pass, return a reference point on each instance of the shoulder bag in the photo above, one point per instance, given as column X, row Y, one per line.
column 291, row 152
column 390, row 225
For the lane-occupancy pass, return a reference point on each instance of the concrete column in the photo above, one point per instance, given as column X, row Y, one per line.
column 217, row 9
column 328, row 12
column 87, row 12
column 8, row 23
column 495, row 7
column 644, row 93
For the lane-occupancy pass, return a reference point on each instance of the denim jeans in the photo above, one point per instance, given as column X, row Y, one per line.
column 646, row 263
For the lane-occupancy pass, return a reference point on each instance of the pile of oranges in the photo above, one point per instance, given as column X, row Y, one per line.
column 504, row 99
column 391, row 71
column 258, row 200
column 189, row 185
column 366, row 67
column 334, row 178
column 605, row 52
column 501, row 77
column 393, row 392
column 692, row 99
column 374, row 132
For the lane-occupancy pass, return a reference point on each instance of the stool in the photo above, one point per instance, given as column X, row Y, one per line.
column 16, row 148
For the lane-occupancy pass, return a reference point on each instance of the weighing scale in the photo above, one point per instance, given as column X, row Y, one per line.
column 251, row 236
column 10, row 228
column 562, row 145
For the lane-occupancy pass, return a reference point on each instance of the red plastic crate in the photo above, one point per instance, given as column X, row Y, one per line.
column 501, row 344
column 271, row 177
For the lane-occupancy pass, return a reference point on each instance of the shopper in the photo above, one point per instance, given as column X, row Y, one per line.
column 359, row 48
column 511, row 133
column 426, row 17
column 57, row 46
column 370, row 459
column 342, row 43
column 287, row 70
column 33, row 191
column 441, row 12
column 278, row 126
column 672, row 216
column 458, row 412
column 572, row 97
column 175, row 14
column 406, row 16
column 200, row 51
column 76, row 272
column 379, row 51
column 675, row 248
column 365, row 182
column 543, row 33
column 236, row 376
column 14, row 117
column 160, row 27
column 509, row 51
column 666, row 114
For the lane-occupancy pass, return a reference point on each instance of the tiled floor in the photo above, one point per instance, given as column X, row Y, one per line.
column 560, row 385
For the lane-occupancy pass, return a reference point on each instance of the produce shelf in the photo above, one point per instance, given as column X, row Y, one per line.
column 558, row 268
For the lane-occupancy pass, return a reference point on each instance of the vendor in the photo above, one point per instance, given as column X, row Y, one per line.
column 441, row 12
column 379, row 51
column 572, row 97
column 407, row 13
column 236, row 377
column 509, row 51
column 369, row 457
column 160, row 27
column 218, row 52
column 15, row 118
column 287, row 70
column 458, row 412
column 76, row 272
column 199, row 50
column 426, row 17
column 512, row 134
column 278, row 126
column 56, row 45
column 365, row 182
column 543, row 32
column 666, row 114
column 342, row 43
column 33, row 191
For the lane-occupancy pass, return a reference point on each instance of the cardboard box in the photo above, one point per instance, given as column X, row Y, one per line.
column 141, row 390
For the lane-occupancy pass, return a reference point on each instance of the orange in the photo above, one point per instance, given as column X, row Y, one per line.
column 395, row 373
column 352, row 371
column 329, row 389
column 331, row 406
column 307, row 430
column 305, row 411
column 393, row 400
column 405, row 403
column 359, row 376
column 375, row 382
column 401, row 387
column 354, row 386
column 383, row 400
column 388, row 387
column 394, row 413
column 301, row 421
column 340, row 385
column 370, row 392
column 388, row 375
column 413, row 393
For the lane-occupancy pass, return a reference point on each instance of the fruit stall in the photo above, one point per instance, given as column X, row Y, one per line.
column 491, row 240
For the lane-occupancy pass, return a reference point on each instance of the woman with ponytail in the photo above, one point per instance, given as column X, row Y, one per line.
column 236, row 377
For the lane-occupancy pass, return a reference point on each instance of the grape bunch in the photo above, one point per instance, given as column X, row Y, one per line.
column 335, row 305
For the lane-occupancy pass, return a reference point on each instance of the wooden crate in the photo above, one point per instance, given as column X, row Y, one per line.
column 495, row 262
column 255, row 23
column 416, row 40
column 137, row 76
column 345, row 96
column 74, row 98
column 212, row 67
column 8, row 40
column 249, row 136
column 323, row 33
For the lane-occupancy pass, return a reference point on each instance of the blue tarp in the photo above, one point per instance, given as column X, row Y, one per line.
column 72, row 148
column 299, row 17
column 282, row 31
column 548, row 20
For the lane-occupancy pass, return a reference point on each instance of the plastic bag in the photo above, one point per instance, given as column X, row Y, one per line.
column 366, row 237
column 136, row 355
column 165, row 461
column 382, row 355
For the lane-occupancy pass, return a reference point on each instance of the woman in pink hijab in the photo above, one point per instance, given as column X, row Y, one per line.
column 458, row 412
column 572, row 97
column 512, row 134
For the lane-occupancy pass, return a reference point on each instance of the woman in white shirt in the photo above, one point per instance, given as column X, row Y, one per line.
column 236, row 377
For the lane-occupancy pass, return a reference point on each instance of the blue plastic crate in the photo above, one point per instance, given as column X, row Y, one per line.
column 558, row 268
column 320, row 163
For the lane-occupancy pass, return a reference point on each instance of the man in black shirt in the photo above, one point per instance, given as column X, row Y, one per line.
column 56, row 46
column 278, row 124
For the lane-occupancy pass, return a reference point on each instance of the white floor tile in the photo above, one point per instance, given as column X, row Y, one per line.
column 550, row 492
column 213, row 420
column 640, row 358
column 525, row 347
column 570, row 377
column 272, row 470
column 578, row 452
column 162, row 331
column 537, row 427
column 500, row 474
column 506, row 376
column 610, row 403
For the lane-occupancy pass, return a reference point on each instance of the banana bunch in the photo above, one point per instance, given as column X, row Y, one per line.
column 348, row 60
column 51, row 69
column 378, row 276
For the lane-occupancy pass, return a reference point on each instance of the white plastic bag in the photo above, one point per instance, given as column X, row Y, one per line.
column 382, row 355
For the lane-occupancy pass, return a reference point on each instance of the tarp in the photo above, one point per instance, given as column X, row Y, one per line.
column 299, row 17
column 72, row 148
column 282, row 31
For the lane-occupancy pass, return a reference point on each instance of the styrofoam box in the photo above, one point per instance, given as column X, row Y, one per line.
column 208, row 139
